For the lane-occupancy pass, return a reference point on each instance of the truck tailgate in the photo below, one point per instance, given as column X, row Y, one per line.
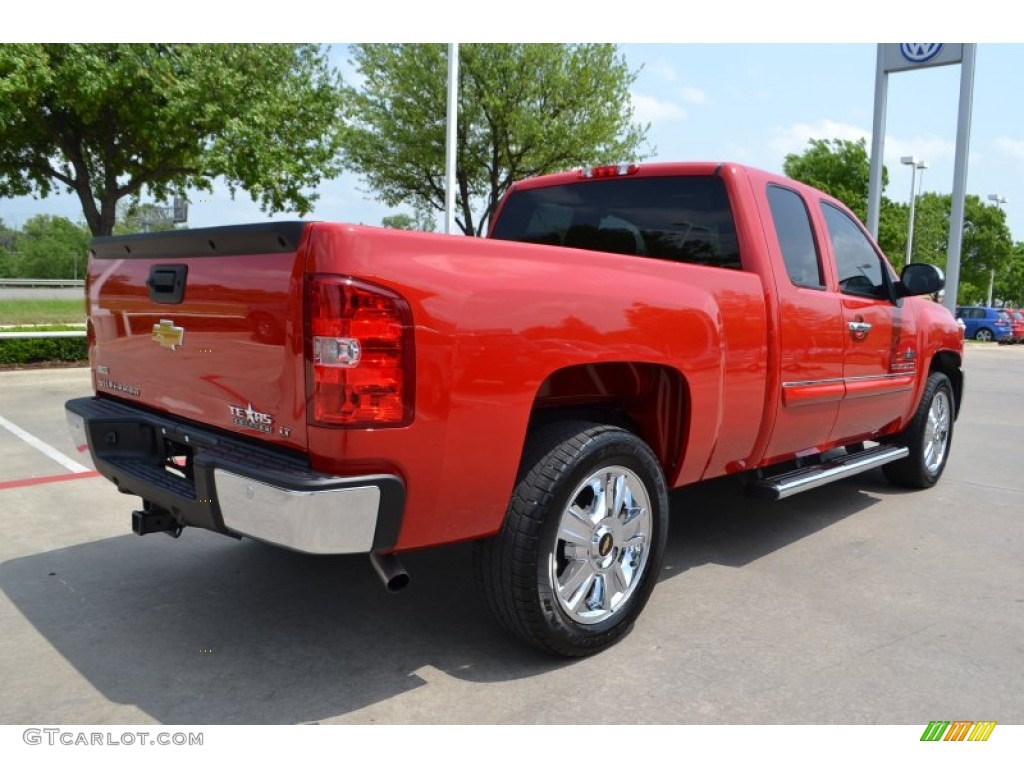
column 205, row 324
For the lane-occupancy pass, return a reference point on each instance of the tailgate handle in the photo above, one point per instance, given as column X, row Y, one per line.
column 166, row 283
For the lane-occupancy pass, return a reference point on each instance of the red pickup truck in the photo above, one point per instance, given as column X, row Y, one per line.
column 623, row 331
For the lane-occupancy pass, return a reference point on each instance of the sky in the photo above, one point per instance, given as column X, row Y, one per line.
column 743, row 101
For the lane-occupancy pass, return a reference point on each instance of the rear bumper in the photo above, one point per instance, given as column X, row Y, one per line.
column 224, row 483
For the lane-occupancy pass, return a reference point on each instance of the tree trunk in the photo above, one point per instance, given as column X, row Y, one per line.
column 92, row 214
column 108, row 217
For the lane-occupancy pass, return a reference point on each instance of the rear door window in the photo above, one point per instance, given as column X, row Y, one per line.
column 796, row 238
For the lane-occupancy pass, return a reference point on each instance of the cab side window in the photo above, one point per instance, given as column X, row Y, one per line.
column 859, row 266
column 796, row 238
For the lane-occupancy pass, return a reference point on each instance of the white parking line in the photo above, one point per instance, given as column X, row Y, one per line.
column 46, row 448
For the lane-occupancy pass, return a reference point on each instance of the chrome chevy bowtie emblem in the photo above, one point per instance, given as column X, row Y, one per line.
column 168, row 335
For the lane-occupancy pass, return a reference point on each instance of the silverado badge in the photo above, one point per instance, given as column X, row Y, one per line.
column 168, row 335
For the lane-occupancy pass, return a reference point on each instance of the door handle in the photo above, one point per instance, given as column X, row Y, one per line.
column 858, row 328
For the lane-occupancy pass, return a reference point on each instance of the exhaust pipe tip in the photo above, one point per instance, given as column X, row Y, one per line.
column 391, row 571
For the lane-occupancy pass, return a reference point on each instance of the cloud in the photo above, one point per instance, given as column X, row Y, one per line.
column 1011, row 147
column 739, row 152
column 692, row 95
column 793, row 138
column 663, row 69
column 928, row 148
column 647, row 109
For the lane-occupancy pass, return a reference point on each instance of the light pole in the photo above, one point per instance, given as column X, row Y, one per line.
column 915, row 166
column 1000, row 201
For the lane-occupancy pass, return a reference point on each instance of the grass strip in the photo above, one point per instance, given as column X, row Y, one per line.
column 41, row 311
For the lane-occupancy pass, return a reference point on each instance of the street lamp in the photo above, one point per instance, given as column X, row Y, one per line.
column 1000, row 201
column 915, row 166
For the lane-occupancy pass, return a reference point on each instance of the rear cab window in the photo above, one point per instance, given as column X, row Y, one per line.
column 685, row 219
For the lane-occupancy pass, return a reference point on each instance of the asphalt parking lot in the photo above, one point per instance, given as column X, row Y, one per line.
column 850, row 604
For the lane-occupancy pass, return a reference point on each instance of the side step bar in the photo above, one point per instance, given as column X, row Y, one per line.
column 791, row 483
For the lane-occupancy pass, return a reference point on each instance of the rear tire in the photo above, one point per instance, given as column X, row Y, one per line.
column 581, row 546
column 983, row 334
column 928, row 436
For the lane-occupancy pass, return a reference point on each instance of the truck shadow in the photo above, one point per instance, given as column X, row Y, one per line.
column 716, row 522
column 210, row 630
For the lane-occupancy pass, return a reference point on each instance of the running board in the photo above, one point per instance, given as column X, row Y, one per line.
column 799, row 480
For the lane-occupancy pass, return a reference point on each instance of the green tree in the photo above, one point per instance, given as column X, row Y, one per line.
column 399, row 221
column 107, row 121
column 422, row 220
column 931, row 229
column 524, row 109
column 838, row 167
column 1010, row 283
column 892, row 231
column 841, row 168
column 8, row 260
column 52, row 247
column 987, row 242
column 7, row 236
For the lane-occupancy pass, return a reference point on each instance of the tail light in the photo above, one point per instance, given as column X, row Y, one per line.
column 359, row 354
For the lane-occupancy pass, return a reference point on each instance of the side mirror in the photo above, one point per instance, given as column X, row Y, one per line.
column 920, row 279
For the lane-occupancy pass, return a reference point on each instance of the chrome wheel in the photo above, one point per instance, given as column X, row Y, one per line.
column 936, row 432
column 601, row 545
column 928, row 436
column 581, row 545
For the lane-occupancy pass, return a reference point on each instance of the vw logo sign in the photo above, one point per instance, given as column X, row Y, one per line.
column 920, row 52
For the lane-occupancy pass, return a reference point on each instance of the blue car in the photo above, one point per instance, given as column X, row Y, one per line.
column 986, row 323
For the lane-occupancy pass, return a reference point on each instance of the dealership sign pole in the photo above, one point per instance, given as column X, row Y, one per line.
column 898, row 57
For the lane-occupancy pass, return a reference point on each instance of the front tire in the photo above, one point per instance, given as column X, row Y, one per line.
column 581, row 546
column 928, row 436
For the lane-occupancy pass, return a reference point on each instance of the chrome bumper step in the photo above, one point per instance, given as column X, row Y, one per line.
column 804, row 479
